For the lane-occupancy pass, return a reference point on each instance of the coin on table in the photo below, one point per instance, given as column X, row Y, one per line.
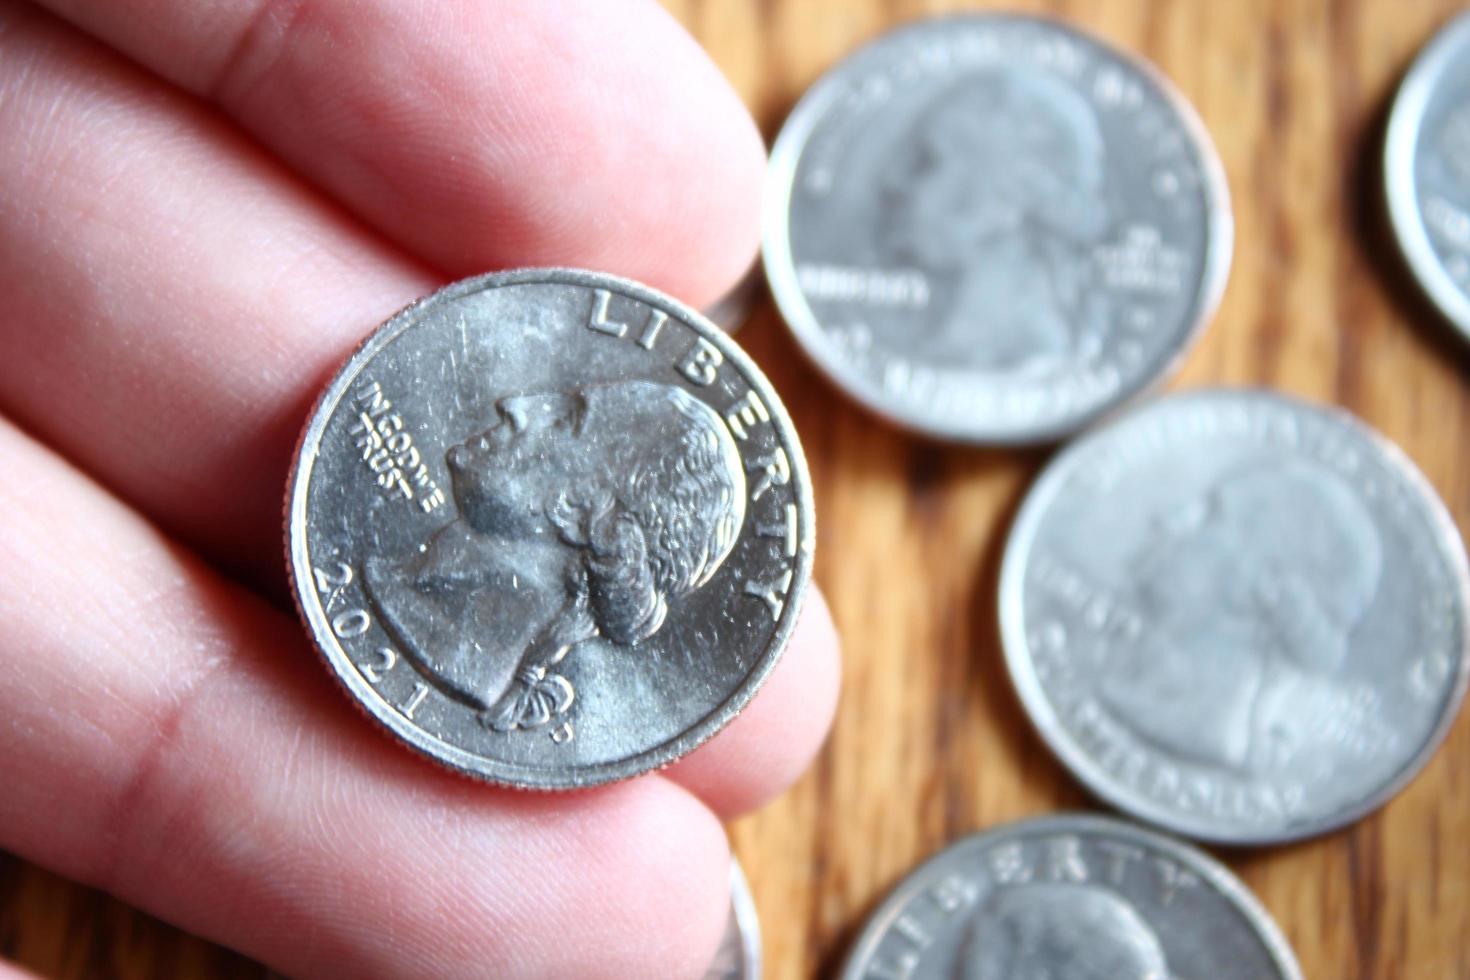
column 739, row 956
column 550, row 527
column 994, row 228
column 1236, row 615
column 1427, row 170
column 1070, row 897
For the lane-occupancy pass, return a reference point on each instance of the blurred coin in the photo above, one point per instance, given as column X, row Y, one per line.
column 1236, row 615
column 1070, row 897
column 1427, row 170
column 995, row 228
column 550, row 527
column 739, row 957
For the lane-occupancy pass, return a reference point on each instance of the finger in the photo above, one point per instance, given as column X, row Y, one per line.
column 176, row 363
column 9, row 971
column 483, row 134
column 773, row 741
column 168, row 738
column 172, row 296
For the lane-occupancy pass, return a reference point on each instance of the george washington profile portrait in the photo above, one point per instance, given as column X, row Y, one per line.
column 998, row 194
column 582, row 514
column 1059, row 931
column 1254, row 589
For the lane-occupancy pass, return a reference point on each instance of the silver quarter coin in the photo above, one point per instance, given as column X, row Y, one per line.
column 1238, row 616
column 739, row 957
column 995, row 228
column 550, row 527
column 1427, row 170
column 1071, row 897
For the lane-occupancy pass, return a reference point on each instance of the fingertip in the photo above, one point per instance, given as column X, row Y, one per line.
column 675, row 159
column 660, row 863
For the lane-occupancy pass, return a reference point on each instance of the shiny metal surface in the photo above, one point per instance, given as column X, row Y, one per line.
column 995, row 228
column 1236, row 615
column 1427, row 170
column 1070, row 897
column 550, row 528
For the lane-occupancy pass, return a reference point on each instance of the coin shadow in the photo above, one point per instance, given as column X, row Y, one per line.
column 1366, row 210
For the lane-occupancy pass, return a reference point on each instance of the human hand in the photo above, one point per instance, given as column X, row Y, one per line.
column 186, row 255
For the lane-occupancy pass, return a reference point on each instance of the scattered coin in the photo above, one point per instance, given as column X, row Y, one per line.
column 1071, row 897
column 1427, row 170
column 1236, row 615
column 550, row 527
column 739, row 957
column 995, row 228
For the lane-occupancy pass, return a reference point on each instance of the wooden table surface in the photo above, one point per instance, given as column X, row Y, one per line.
column 930, row 742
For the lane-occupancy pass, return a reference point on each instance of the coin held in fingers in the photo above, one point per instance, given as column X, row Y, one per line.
column 550, row 528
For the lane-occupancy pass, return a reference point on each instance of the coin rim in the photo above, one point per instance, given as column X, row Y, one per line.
column 780, row 266
column 742, row 904
column 1082, row 765
column 451, row 756
column 1401, row 150
column 1221, row 878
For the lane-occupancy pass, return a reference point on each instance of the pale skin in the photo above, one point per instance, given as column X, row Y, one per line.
column 203, row 207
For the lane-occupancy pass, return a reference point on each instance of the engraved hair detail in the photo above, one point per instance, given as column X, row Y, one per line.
column 655, row 528
column 664, row 527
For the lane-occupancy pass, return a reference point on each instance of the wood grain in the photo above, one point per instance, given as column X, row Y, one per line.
column 930, row 743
